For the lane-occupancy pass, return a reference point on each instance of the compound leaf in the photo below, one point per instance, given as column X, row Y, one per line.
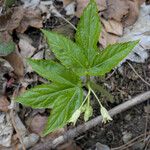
column 63, row 109
column 54, row 71
column 69, row 53
column 64, row 101
column 110, row 57
column 88, row 30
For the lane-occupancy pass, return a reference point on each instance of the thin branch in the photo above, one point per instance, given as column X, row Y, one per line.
column 138, row 74
column 131, row 142
column 72, row 133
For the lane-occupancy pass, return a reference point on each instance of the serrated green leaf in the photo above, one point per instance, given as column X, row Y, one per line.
column 69, row 53
column 63, row 100
column 110, row 57
column 6, row 44
column 88, row 30
column 54, row 71
column 63, row 109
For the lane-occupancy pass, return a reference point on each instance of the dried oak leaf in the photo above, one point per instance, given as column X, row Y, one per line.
column 81, row 4
column 15, row 60
column 67, row 2
column 113, row 26
column 31, row 18
column 17, row 15
column 4, row 103
column 107, row 38
column 116, row 9
column 133, row 13
column 20, row 19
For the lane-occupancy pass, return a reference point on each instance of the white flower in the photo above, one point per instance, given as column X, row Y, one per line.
column 75, row 116
column 105, row 114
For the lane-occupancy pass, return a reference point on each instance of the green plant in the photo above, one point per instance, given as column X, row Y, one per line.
column 64, row 95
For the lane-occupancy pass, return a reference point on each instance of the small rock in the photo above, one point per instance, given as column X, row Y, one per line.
column 100, row 146
column 126, row 136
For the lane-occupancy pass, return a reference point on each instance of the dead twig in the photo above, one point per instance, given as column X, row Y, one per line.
column 12, row 116
column 132, row 142
column 72, row 133
column 138, row 74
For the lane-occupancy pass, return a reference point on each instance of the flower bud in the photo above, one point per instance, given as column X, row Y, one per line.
column 75, row 116
column 105, row 114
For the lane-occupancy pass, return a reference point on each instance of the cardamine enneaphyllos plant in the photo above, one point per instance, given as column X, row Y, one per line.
column 64, row 95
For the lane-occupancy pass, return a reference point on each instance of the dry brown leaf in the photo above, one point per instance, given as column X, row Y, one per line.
column 17, row 15
column 103, row 38
column 112, row 39
column 16, row 62
column 31, row 18
column 107, row 38
column 112, row 26
column 140, row 2
column 117, row 9
column 67, row 2
column 4, row 103
column 4, row 20
column 20, row 18
column 26, row 48
column 133, row 13
column 81, row 4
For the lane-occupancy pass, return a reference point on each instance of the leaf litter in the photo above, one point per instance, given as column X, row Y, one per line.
column 120, row 23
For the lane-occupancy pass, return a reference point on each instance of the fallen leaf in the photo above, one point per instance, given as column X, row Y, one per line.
column 67, row 2
column 139, row 30
column 20, row 19
column 26, row 48
column 81, row 4
column 117, row 10
column 4, row 103
column 107, row 38
column 112, row 26
column 16, row 17
column 4, row 19
column 16, row 62
column 112, row 39
column 31, row 18
column 103, row 38
column 70, row 9
column 133, row 13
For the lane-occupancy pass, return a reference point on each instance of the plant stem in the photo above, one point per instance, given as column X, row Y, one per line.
column 87, row 80
column 87, row 97
column 96, row 97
